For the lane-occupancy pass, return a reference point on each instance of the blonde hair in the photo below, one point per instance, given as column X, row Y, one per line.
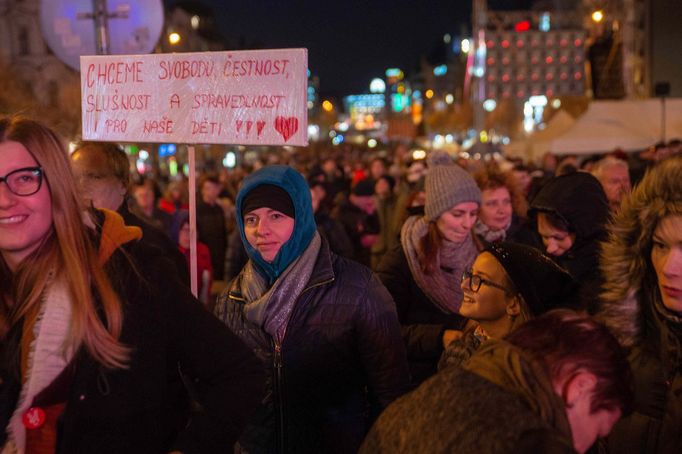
column 68, row 250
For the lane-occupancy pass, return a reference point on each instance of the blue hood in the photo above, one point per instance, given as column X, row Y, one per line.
column 304, row 227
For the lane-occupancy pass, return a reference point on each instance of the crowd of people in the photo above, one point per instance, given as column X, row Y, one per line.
column 348, row 302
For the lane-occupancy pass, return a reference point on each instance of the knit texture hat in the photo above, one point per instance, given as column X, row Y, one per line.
column 447, row 185
column 271, row 196
column 542, row 283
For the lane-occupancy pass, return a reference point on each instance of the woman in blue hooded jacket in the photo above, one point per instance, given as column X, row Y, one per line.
column 324, row 327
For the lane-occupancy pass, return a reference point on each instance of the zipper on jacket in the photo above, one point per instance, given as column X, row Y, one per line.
column 278, row 392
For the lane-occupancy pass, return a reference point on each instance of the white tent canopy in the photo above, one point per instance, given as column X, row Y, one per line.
column 629, row 125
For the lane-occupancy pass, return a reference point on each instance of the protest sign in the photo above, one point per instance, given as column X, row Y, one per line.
column 242, row 97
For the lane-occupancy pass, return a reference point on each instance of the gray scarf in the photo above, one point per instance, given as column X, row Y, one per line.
column 270, row 308
column 488, row 234
column 443, row 286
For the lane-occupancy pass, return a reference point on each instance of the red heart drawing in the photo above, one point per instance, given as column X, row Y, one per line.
column 259, row 126
column 239, row 125
column 287, row 127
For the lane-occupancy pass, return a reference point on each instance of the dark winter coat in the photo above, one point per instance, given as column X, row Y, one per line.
column 459, row 411
column 357, row 223
column 143, row 409
column 654, row 336
column 159, row 240
column 422, row 323
column 342, row 352
column 212, row 230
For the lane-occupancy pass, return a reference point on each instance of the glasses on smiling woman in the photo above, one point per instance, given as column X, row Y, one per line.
column 25, row 181
column 475, row 282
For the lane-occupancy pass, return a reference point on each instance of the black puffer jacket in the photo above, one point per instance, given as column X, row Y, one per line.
column 342, row 340
column 422, row 323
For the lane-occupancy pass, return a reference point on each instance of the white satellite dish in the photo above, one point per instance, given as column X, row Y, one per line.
column 70, row 34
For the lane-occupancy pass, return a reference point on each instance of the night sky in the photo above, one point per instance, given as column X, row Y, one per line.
column 349, row 42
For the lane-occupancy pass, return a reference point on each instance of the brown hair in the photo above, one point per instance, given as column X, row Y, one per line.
column 115, row 156
column 427, row 253
column 67, row 250
column 492, row 179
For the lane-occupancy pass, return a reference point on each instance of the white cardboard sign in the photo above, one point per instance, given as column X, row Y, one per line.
column 245, row 97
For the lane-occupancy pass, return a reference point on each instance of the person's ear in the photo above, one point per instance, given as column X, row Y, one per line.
column 514, row 306
column 577, row 387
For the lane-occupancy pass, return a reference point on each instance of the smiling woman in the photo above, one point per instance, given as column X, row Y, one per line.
column 423, row 271
column 74, row 341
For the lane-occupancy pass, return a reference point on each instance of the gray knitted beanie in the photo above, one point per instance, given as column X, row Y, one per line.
column 447, row 185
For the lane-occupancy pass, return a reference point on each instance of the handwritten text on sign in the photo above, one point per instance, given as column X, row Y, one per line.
column 245, row 97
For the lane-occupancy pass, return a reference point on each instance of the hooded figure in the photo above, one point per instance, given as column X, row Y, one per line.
column 642, row 305
column 571, row 212
column 323, row 326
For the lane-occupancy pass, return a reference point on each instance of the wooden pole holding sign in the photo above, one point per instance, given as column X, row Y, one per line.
column 245, row 97
column 194, row 285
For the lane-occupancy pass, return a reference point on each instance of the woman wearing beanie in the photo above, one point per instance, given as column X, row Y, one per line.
column 508, row 284
column 424, row 271
column 323, row 326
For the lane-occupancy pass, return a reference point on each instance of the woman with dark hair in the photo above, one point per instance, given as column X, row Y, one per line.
column 95, row 327
column 423, row 271
column 323, row 326
column 642, row 305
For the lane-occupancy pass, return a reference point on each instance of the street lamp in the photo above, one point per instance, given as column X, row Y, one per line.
column 174, row 38
column 327, row 106
column 598, row 16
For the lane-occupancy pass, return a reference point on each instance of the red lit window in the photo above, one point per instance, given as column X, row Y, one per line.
column 577, row 42
column 490, row 43
column 563, row 59
column 577, row 76
column 519, row 43
column 563, row 76
column 505, row 77
column 505, row 43
column 490, row 61
column 534, row 77
column 549, row 60
column 563, row 42
column 520, row 77
column 522, row 26
column 505, row 60
column 549, row 76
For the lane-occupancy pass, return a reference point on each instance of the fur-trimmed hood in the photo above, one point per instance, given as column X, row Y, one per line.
column 630, row 281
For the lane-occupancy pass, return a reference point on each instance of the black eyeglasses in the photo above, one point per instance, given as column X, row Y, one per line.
column 24, row 182
column 475, row 282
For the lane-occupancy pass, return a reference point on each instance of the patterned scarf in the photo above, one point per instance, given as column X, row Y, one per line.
column 443, row 286
column 270, row 308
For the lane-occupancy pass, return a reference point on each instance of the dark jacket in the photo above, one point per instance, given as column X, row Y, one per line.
column 212, row 231
column 335, row 235
column 357, row 223
column 342, row 352
column 158, row 240
column 632, row 308
column 143, row 409
column 459, row 411
column 422, row 323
